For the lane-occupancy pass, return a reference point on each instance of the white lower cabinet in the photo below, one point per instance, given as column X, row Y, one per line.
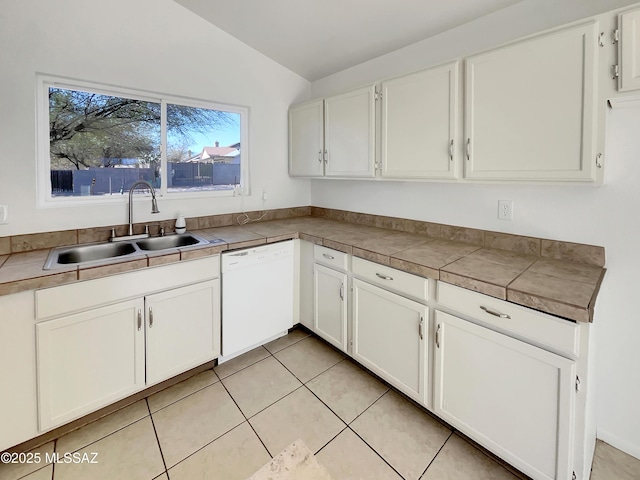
column 330, row 305
column 90, row 359
column 515, row 399
column 182, row 329
column 390, row 337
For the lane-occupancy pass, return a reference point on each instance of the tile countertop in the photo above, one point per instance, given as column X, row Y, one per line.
column 563, row 288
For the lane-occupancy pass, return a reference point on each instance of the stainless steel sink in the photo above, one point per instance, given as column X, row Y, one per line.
column 170, row 241
column 91, row 253
column 99, row 252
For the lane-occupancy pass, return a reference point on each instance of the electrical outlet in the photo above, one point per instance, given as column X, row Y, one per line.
column 505, row 210
column 4, row 214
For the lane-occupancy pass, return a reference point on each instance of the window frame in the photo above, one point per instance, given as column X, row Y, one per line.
column 43, row 161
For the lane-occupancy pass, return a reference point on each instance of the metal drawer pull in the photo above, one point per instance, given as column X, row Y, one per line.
column 150, row 317
column 320, row 156
column 383, row 277
column 139, row 319
column 421, row 327
column 494, row 313
column 451, row 150
column 468, row 149
column 330, row 257
column 438, row 335
column 342, row 291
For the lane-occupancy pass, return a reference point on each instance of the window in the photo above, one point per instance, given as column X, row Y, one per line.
column 96, row 141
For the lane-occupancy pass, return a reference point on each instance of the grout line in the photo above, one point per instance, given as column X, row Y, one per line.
column 331, row 440
column 243, row 368
column 376, row 452
column 155, row 432
column 438, row 453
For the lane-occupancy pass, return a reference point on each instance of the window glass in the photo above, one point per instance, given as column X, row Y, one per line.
column 100, row 144
column 203, row 149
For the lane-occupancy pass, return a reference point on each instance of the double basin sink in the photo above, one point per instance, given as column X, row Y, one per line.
column 87, row 254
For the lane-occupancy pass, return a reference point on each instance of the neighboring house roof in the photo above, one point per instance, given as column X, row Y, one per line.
column 216, row 152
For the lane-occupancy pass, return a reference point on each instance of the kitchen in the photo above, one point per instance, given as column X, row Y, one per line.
column 128, row 45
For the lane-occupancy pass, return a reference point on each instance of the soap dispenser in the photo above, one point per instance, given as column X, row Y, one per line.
column 181, row 225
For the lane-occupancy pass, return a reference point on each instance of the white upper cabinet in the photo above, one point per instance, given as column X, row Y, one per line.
column 629, row 50
column 419, row 124
column 530, row 109
column 349, row 129
column 306, row 139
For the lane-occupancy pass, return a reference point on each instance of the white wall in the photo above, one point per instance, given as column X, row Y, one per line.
column 604, row 215
column 153, row 45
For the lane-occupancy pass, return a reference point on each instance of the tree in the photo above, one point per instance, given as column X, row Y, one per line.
column 90, row 130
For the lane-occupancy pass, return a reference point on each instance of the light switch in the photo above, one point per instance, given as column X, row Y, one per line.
column 4, row 214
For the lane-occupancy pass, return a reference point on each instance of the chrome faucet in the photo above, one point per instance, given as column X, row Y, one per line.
column 154, row 203
column 154, row 209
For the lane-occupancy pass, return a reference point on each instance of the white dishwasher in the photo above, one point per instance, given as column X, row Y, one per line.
column 257, row 296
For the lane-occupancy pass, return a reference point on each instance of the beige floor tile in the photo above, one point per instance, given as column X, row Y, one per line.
column 181, row 390
column 404, row 435
column 260, row 385
column 347, row 457
column 45, row 473
column 102, row 427
column 299, row 415
column 234, row 456
column 243, row 361
column 191, row 423
column 308, row 358
column 162, row 477
column 283, row 342
column 459, row 460
column 13, row 471
column 612, row 464
column 347, row 389
column 130, row 453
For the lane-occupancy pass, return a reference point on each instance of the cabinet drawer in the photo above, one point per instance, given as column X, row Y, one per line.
column 392, row 279
column 560, row 335
column 331, row 258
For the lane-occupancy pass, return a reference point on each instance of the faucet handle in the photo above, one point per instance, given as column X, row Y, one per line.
column 146, row 229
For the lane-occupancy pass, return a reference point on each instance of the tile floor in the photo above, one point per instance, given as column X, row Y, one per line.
column 228, row 422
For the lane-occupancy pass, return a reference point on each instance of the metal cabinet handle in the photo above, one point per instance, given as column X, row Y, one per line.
column 150, row 317
column 330, row 257
column 451, row 150
column 383, row 277
column 468, row 149
column 139, row 319
column 326, row 157
column 494, row 313
column 438, row 335
column 320, row 156
column 421, row 327
column 342, row 291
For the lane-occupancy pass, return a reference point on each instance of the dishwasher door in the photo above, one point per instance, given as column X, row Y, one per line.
column 257, row 296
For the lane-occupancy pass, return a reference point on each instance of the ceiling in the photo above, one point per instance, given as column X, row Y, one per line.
column 316, row 38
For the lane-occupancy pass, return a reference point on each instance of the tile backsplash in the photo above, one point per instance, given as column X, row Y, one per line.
column 554, row 249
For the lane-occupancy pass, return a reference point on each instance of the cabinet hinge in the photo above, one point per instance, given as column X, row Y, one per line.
column 577, row 383
column 615, row 71
column 377, row 95
column 615, row 37
column 599, row 160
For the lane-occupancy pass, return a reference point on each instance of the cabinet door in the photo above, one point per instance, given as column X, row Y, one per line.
column 89, row 360
column 389, row 337
column 515, row 399
column 330, row 306
column 629, row 51
column 530, row 109
column 183, row 329
column 349, row 129
column 419, row 123
column 306, row 139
